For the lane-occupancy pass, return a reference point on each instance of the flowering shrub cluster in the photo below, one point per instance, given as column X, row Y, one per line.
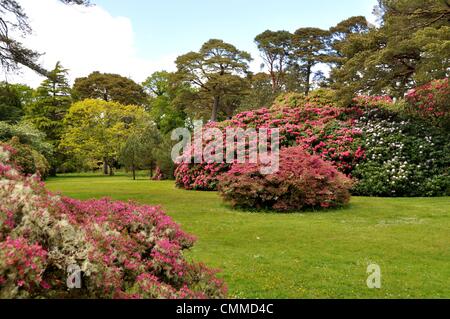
column 337, row 142
column 202, row 176
column 387, row 151
column 325, row 131
column 404, row 157
column 159, row 175
column 303, row 181
column 123, row 250
column 24, row 264
column 431, row 102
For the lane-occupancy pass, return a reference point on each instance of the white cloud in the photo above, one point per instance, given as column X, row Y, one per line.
column 84, row 39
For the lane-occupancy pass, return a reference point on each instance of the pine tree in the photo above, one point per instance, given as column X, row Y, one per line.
column 52, row 100
column 219, row 71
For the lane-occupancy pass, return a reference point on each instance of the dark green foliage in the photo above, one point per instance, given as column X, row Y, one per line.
column 11, row 107
column 409, row 49
column 52, row 100
column 275, row 48
column 309, row 49
column 27, row 160
column 405, row 157
column 165, row 104
column 217, row 73
column 28, row 135
column 110, row 88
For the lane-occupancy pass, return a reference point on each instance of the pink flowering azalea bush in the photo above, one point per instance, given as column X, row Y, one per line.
column 431, row 102
column 302, row 181
column 201, row 177
column 123, row 250
column 325, row 131
column 159, row 175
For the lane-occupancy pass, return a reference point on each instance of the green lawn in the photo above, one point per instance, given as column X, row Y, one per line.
column 304, row 255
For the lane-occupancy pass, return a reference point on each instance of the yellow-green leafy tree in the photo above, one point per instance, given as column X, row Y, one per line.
column 97, row 130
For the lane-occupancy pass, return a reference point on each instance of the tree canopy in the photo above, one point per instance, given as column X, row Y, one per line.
column 410, row 48
column 97, row 129
column 218, row 70
column 110, row 88
column 275, row 48
column 51, row 102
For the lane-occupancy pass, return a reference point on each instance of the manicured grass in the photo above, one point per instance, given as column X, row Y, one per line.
column 304, row 255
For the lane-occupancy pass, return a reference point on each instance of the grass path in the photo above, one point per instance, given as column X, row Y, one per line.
column 304, row 255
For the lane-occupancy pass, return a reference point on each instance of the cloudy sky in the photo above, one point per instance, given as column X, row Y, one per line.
column 137, row 37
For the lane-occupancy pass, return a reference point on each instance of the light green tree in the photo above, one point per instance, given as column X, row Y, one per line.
column 166, row 105
column 98, row 130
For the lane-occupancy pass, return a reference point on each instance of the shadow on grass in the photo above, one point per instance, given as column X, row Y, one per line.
column 265, row 211
column 67, row 176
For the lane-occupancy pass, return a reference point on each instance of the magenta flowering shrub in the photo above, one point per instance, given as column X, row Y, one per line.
column 202, row 176
column 303, row 181
column 159, row 175
column 336, row 142
column 431, row 102
column 22, row 264
column 123, row 250
column 325, row 131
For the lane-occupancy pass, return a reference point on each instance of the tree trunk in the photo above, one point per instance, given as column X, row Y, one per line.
column 105, row 166
column 273, row 79
column 308, row 80
column 133, row 168
column 215, row 110
column 111, row 170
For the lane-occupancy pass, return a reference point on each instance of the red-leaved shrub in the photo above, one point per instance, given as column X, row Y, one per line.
column 123, row 250
column 302, row 181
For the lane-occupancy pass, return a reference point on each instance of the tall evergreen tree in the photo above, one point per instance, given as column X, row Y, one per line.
column 52, row 100
column 217, row 71
column 409, row 48
column 310, row 47
column 340, row 34
column 275, row 48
